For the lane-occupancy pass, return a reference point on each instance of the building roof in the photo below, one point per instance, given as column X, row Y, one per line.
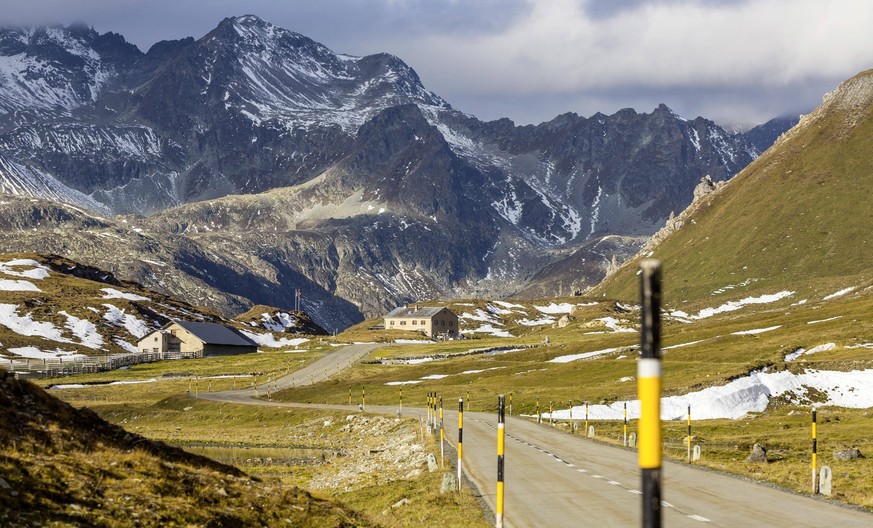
column 423, row 312
column 217, row 334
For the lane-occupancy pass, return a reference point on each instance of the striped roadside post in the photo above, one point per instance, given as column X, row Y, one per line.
column 649, row 392
column 510, row 404
column 460, row 439
column 539, row 416
column 571, row 416
column 551, row 418
column 350, row 395
column 624, row 438
column 429, row 407
column 401, row 399
column 586, row 418
column 363, row 397
column 442, row 437
column 689, row 434
column 501, row 430
column 814, row 449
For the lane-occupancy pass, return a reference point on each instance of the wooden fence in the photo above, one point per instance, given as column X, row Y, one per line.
column 54, row 367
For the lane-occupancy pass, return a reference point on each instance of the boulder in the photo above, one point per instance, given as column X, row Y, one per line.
column 758, row 454
column 432, row 463
column 848, row 454
column 449, row 484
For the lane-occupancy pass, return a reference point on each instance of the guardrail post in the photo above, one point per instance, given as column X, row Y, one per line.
column 649, row 392
column 501, row 430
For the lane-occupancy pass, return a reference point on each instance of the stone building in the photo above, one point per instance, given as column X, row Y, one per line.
column 432, row 321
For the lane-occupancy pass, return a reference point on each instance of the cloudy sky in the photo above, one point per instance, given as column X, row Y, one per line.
column 738, row 62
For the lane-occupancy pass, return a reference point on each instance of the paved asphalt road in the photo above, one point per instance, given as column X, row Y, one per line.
column 555, row 479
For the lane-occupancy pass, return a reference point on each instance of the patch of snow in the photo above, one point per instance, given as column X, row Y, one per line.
column 411, row 382
column 18, row 285
column 84, row 329
column 26, row 326
column 613, row 324
column 757, row 330
column 434, row 377
column 732, row 306
column 112, row 293
column 584, row 355
column 563, row 308
column 33, row 352
column 750, row 394
column 537, row 322
column 488, row 329
column 38, row 271
column 803, row 352
column 133, row 324
column 509, row 305
column 839, row 293
column 825, row 320
column 270, row 341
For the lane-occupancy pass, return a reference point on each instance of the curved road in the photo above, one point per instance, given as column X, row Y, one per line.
column 555, row 479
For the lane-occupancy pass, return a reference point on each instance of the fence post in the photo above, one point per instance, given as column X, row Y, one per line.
column 649, row 392
column 460, row 439
column 501, row 430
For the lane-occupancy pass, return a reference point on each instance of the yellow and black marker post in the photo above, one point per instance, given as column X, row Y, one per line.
column 586, row 418
column 814, row 449
column 460, row 440
column 689, row 434
column 401, row 399
column 363, row 397
column 624, row 438
column 501, row 431
column 571, row 416
column 510, row 404
column 442, row 437
column 350, row 395
column 649, row 392
column 551, row 418
column 539, row 416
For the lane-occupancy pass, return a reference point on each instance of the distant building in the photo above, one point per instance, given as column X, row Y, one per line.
column 431, row 321
column 187, row 339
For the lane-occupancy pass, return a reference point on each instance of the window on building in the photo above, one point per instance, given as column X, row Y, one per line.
column 442, row 323
column 402, row 323
column 414, row 322
column 391, row 323
column 156, row 338
column 155, row 350
column 451, row 323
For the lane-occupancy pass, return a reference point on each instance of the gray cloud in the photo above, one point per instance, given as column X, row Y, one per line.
column 734, row 61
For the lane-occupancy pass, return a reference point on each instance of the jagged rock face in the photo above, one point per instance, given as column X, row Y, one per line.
column 373, row 190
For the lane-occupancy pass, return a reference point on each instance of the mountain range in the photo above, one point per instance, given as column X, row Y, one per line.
column 236, row 168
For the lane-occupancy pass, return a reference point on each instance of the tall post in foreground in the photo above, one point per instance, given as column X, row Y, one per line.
column 460, row 439
column 689, row 434
column 501, row 430
column 814, row 449
column 649, row 392
column 442, row 437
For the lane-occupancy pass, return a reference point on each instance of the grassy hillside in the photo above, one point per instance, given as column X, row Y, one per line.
column 797, row 219
column 61, row 466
